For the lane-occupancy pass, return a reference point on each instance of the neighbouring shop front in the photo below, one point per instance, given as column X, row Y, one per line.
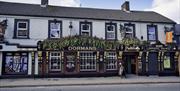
column 15, row 63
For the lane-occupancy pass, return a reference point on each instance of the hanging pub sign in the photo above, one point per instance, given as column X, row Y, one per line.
column 1, row 32
column 3, row 26
column 169, row 37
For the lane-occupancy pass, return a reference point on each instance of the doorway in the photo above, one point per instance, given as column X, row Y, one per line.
column 153, row 63
column 130, row 64
column 70, row 62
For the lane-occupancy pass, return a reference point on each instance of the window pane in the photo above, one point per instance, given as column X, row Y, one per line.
column 55, row 61
column 55, row 34
column 87, row 61
column 111, row 61
column 55, row 26
column 129, row 35
column 85, row 33
column 129, row 31
column 151, row 33
column 22, row 33
column 110, row 35
column 16, row 64
column 85, row 27
column 110, row 31
column 22, row 25
column 110, row 28
column 55, row 30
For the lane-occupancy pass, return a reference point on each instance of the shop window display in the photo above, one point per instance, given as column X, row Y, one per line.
column 16, row 63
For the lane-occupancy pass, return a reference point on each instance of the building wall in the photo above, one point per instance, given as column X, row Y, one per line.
column 39, row 29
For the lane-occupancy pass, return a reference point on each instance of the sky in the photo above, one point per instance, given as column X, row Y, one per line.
column 168, row 8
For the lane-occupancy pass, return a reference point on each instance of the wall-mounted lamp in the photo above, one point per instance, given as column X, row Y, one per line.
column 70, row 25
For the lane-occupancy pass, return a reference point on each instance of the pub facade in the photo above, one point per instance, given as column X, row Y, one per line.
column 52, row 41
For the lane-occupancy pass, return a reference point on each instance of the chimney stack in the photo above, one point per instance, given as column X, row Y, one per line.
column 125, row 6
column 44, row 3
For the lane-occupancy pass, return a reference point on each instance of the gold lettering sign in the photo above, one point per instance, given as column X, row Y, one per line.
column 81, row 48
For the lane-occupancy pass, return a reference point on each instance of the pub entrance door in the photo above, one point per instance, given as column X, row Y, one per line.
column 130, row 64
column 153, row 63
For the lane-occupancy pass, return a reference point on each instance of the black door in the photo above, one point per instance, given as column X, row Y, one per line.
column 130, row 66
column 70, row 62
column 153, row 63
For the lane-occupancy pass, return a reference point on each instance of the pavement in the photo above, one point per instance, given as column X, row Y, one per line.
column 131, row 79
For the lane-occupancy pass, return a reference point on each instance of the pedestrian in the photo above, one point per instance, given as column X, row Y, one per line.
column 121, row 70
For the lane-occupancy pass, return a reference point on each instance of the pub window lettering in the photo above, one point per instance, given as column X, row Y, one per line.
column 22, row 28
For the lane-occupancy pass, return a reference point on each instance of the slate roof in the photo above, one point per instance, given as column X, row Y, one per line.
column 7, row 8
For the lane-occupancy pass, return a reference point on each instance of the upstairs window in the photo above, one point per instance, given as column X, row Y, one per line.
column 21, row 28
column 55, row 29
column 152, row 32
column 86, row 28
column 130, row 30
column 111, row 31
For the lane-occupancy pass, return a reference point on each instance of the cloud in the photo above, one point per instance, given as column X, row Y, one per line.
column 70, row 3
column 168, row 8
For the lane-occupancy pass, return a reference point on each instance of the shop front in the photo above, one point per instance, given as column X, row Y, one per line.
column 79, row 63
column 94, row 57
column 15, row 63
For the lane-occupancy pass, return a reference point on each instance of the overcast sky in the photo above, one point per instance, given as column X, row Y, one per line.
column 168, row 8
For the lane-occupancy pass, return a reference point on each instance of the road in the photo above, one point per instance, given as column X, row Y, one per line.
column 120, row 87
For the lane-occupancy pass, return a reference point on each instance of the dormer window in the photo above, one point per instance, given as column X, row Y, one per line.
column 86, row 28
column 55, row 29
column 111, row 31
column 21, row 28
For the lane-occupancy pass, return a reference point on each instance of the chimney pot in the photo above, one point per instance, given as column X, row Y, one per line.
column 44, row 3
column 125, row 6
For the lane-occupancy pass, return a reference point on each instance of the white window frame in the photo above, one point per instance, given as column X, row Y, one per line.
column 111, row 61
column 113, row 31
column 86, row 31
column 130, row 32
column 58, row 58
column 22, row 29
column 86, row 60
column 55, row 30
